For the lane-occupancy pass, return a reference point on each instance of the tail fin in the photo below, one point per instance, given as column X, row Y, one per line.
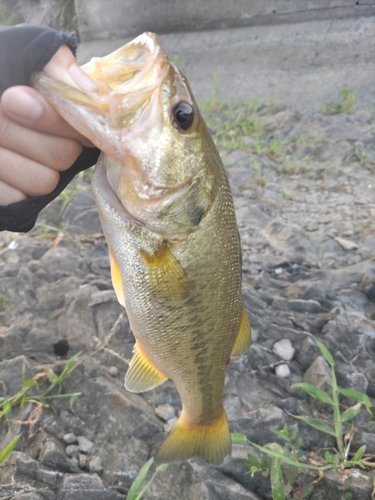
column 210, row 441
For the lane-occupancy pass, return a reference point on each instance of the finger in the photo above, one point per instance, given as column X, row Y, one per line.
column 64, row 67
column 25, row 106
column 9, row 194
column 55, row 152
column 26, row 176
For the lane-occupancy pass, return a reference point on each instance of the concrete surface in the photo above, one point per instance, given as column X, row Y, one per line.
column 98, row 19
column 304, row 64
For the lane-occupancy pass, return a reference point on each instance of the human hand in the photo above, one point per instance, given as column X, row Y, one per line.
column 35, row 142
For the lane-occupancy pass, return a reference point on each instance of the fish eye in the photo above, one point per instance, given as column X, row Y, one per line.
column 183, row 115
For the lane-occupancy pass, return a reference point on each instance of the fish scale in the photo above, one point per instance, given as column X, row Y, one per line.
column 168, row 217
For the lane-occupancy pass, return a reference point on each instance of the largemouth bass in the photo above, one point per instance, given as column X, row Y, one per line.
column 167, row 214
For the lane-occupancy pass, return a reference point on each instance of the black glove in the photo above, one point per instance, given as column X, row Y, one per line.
column 24, row 50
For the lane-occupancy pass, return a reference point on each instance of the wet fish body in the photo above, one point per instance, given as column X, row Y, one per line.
column 167, row 214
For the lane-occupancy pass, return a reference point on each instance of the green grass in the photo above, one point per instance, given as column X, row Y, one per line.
column 345, row 104
column 3, row 301
column 243, row 127
column 41, row 390
column 9, row 448
column 364, row 159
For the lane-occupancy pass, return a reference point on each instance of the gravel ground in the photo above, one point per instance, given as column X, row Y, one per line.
column 304, row 191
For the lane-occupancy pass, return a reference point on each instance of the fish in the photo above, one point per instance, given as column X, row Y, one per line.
column 168, row 217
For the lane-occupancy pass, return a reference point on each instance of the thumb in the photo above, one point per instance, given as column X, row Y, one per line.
column 63, row 66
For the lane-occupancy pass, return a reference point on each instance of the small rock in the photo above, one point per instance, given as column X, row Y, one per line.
column 233, row 407
column 72, row 450
column 356, row 381
column 347, row 232
column 284, row 349
column 304, row 306
column 252, row 214
column 85, row 445
column 54, row 457
column 166, row 411
column 39, row 341
column 314, row 291
column 282, row 371
column 113, row 371
column 367, row 284
column 102, row 297
column 346, row 244
column 82, row 461
column 70, row 438
column 290, row 240
column 312, row 226
column 280, row 303
column 83, row 487
column 28, row 470
column 49, row 477
column 319, row 374
column 368, row 245
column 136, row 451
column 172, row 421
column 11, row 374
column 95, row 465
column 168, row 426
column 361, row 438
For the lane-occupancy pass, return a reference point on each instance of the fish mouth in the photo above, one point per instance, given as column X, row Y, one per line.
column 131, row 78
column 132, row 82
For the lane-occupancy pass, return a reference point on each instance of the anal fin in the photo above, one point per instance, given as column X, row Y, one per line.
column 210, row 441
column 142, row 375
column 165, row 273
column 243, row 339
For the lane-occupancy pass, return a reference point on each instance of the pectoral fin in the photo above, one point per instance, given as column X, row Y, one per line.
column 243, row 339
column 116, row 280
column 165, row 273
column 142, row 375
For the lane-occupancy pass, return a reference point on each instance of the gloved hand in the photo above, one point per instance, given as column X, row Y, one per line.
column 39, row 152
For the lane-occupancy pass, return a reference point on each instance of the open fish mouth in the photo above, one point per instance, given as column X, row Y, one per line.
column 130, row 77
column 128, row 100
